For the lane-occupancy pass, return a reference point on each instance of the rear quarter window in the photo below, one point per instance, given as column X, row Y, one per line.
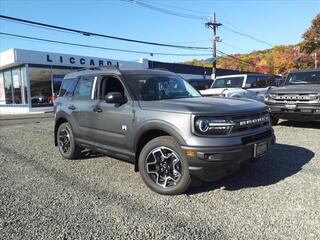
column 83, row 90
column 67, row 87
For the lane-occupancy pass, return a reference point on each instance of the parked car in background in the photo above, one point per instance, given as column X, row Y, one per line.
column 39, row 99
column 159, row 122
column 297, row 99
column 200, row 84
column 252, row 86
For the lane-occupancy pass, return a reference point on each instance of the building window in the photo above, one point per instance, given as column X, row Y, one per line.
column 24, row 85
column 40, row 85
column 8, row 87
column 2, row 91
column 13, row 86
column 17, row 85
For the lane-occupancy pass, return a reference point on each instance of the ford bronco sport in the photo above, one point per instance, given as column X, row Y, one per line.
column 158, row 121
column 298, row 99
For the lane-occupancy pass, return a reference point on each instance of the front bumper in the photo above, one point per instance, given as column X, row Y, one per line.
column 298, row 111
column 212, row 163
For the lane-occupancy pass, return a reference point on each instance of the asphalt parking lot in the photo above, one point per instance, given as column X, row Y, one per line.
column 43, row 196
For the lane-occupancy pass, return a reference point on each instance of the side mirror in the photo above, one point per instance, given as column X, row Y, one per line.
column 114, row 97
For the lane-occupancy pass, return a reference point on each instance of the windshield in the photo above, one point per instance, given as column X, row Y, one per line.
column 303, row 78
column 150, row 87
column 232, row 82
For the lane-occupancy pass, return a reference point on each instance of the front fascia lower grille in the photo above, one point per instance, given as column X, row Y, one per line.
column 302, row 97
column 256, row 137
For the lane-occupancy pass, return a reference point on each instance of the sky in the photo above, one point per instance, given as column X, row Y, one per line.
column 274, row 22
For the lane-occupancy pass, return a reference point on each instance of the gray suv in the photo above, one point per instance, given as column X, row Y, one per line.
column 159, row 122
column 298, row 98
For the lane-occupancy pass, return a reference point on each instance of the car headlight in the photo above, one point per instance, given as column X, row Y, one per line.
column 213, row 126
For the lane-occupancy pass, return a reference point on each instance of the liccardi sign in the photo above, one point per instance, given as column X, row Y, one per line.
column 74, row 60
column 22, row 56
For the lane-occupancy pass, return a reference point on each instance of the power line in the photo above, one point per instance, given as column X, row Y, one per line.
column 63, row 31
column 235, row 58
column 85, row 33
column 246, row 35
column 175, row 7
column 194, row 41
column 98, row 47
column 166, row 11
column 233, row 46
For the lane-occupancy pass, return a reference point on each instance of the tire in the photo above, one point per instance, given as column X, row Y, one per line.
column 66, row 142
column 274, row 121
column 162, row 158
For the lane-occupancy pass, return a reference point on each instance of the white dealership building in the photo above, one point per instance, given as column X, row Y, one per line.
column 29, row 80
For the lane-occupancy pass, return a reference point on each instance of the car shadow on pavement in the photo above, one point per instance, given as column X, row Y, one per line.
column 307, row 124
column 87, row 154
column 281, row 162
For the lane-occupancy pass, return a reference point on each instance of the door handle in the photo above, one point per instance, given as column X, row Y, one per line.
column 97, row 110
column 72, row 107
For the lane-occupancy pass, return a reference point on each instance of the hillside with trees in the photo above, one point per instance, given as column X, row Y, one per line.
column 279, row 59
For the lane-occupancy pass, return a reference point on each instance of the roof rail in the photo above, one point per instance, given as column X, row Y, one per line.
column 108, row 67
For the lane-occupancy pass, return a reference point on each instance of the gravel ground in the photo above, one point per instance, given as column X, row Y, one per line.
column 43, row 196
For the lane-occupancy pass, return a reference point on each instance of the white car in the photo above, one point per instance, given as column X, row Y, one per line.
column 251, row 85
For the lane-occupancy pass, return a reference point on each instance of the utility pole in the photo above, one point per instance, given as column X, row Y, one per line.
column 213, row 24
column 315, row 54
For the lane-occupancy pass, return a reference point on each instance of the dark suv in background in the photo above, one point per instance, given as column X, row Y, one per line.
column 297, row 99
column 158, row 121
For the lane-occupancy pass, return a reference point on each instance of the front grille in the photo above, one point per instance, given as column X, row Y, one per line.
column 302, row 97
column 250, row 122
column 256, row 137
column 232, row 124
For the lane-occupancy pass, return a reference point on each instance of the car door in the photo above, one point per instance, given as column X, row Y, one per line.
column 82, row 106
column 113, row 122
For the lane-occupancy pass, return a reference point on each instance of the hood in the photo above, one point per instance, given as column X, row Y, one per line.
column 296, row 89
column 205, row 106
column 215, row 91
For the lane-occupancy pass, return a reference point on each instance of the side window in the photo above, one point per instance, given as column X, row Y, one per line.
column 261, row 82
column 84, row 87
column 271, row 81
column 251, row 82
column 110, row 84
column 67, row 87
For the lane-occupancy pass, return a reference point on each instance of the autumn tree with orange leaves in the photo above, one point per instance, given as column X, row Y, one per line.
column 277, row 60
column 311, row 38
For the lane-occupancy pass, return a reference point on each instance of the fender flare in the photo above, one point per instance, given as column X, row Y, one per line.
column 60, row 115
column 158, row 125
column 155, row 125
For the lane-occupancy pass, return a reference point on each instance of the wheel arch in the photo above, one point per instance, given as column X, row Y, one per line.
column 151, row 131
column 59, row 120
